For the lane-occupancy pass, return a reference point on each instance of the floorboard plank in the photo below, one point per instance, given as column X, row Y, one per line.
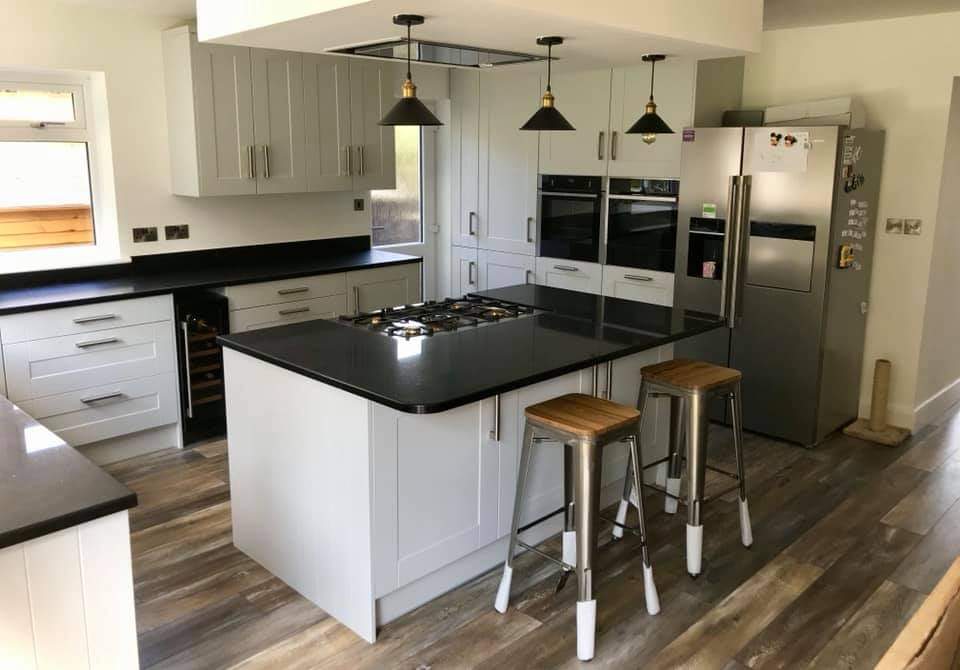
column 932, row 557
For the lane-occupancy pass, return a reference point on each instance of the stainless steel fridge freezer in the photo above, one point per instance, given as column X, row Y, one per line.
column 776, row 232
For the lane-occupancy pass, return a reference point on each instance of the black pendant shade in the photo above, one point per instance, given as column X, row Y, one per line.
column 650, row 124
column 409, row 111
column 548, row 117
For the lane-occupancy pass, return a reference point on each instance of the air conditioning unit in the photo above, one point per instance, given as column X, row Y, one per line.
column 832, row 112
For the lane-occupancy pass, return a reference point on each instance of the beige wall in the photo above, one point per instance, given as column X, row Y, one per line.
column 902, row 69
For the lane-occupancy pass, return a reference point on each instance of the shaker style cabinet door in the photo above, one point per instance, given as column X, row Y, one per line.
column 278, row 121
column 584, row 100
column 465, row 163
column 498, row 269
column 371, row 96
column 377, row 288
column 326, row 96
column 465, row 277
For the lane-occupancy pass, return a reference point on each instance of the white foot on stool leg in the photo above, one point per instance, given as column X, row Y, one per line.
column 570, row 547
column 694, row 549
column 673, row 488
column 586, row 628
column 621, row 518
column 746, row 530
column 650, row 591
column 503, row 592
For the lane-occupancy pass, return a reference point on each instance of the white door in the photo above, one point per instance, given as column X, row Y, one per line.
column 376, row 288
column 499, row 269
column 278, row 121
column 584, row 100
column 326, row 100
column 223, row 85
column 674, row 92
column 508, row 162
column 465, row 273
column 372, row 96
column 465, row 156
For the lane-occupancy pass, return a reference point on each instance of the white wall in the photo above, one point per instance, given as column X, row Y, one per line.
column 126, row 47
column 903, row 71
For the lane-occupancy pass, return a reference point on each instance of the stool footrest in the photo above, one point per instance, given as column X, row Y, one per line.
column 683, row 499
column 553, row 559
column 633, row 529
column 537, row 522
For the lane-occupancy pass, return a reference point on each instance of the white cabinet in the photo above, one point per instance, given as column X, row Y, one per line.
column 572, row 275
column 465, row 157
column 584, row 99
column 465, row 271
column 498, row 269
column 389, row 286
column 640, row 285
column 278, row 121
column 329, row 147
column 267, row 316
column 285, row 290
column 371, row 97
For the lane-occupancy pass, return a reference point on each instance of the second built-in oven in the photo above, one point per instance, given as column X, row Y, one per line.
column 642, row 223
column 570, row 217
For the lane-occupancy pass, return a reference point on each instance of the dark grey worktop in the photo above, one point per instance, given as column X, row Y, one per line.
column 434, row 374
column 47, row 485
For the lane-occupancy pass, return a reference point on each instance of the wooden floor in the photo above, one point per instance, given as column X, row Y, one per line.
column 848, row 539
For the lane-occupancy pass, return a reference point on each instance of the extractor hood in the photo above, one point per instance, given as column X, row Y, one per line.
column 438, row 53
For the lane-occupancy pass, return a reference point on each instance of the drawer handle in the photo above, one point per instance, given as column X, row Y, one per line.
column 295, row 310
column 566, row 268
column 102, row 398
column 93, row 319
column 638, row 277
column 298, row 289
column 97, row 343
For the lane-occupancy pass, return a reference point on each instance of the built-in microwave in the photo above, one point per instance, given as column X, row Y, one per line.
column 642, row 223
column 570, row 217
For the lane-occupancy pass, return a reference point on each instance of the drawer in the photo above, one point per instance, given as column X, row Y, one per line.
column 573, row 275
column 254, row 318
column 640, row 285
column 285, row 290
column 85, row 318
column 74, row 362
column 102, row 412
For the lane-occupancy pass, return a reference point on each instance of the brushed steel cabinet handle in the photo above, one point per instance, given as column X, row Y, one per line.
column 356, row 299
column 530, row 237
column 600, row 146
column 102, row 398
column 294, row 310
column 92, row 319
column 638, row 277
column 471, row 269
column 348, row 150
column 495, row 432
column 251, row 162
column 362, row 160
column 298, row 289
column 96, row 343
column 566, row 268
column 471, row 220
column 613, row 145
column 526, row 277
column 186, row 367
column 266, row 161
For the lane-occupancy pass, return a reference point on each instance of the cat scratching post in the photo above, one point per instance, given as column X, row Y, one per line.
column 876, row 429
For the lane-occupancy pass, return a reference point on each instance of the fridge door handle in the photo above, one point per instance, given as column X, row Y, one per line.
column 735, row 249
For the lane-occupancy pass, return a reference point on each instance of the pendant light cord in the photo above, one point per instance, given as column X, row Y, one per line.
column 409, row 76
column 653, row 71
column 549, row 62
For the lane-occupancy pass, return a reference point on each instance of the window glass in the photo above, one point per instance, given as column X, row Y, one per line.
column 44, row 194
column 397, row 212
column 34, row 105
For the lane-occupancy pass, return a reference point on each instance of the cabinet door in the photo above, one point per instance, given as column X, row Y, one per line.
column 674, row 93
column 371, row 96
column 639, row 285
column 571, row 275
column 499, row 269
column 278, row 121
column 465, row 271
column 584, row 99
column 223, row 87
column 376, row 288
column 508, row 162
column 465, row 141
column 326, row 100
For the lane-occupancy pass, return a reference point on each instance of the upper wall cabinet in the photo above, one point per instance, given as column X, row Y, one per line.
column 245, row 121
column 584, row 100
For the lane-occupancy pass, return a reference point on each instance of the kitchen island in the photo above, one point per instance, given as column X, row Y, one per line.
column 373, row 473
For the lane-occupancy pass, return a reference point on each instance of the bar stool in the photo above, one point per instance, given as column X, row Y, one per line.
column 689, row 384
column 583, row 425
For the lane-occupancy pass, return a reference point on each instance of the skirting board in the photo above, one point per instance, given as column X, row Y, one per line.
column 136, row 444
column 935, row 405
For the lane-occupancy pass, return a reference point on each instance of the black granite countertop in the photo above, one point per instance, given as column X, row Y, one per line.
column 172, row 272
column 433, row 374
column 47, row 485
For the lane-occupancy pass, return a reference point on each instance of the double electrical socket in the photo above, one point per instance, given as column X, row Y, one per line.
column 904, row 226
column 149, row 234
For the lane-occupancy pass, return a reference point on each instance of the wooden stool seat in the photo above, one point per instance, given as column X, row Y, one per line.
column 689, row 375
column 585, row 416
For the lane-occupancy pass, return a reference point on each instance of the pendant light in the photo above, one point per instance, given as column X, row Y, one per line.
column 409, row 111
column 547, row 117
column 650, row 124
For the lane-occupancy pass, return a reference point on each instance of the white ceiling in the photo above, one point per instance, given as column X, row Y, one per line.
column 796, row 13
column 181, row 9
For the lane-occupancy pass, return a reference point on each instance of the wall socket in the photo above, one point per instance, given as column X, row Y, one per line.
column 145, row 234
column 358, row 204
column 180, row 232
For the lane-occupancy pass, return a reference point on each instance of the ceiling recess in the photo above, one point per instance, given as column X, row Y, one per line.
column 439, row 53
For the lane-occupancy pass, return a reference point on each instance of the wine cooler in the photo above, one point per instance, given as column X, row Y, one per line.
column 201, row 317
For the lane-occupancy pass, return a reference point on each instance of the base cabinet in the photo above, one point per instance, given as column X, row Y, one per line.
column 465, row 274
column 376, row 288
column 571, row 275
column 498, row 269
column 639, row 285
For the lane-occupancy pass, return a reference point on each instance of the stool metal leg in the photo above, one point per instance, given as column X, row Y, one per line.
column 627, row 497
column 569, row 524
column 587, row 512
column 675, row 465
column 649, row 586
column 526, row 450
column 736, row 413
column 697, row 425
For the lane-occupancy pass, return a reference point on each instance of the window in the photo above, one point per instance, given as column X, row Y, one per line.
column 398, row 213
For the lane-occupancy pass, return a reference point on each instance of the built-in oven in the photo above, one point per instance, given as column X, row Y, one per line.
column 570, row 217
column 642, row 223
